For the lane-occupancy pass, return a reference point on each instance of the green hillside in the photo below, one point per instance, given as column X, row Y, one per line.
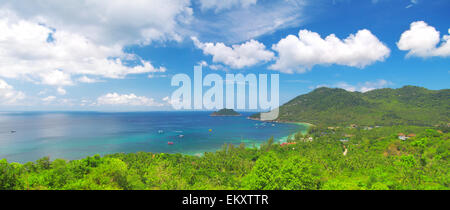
column 408, row 105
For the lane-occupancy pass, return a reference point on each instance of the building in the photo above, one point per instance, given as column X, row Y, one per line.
column 287, row 143
column 402, row 136
column 344, row 140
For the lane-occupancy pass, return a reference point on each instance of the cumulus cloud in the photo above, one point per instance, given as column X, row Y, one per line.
column 130, row 99
column 237, row 56
column 32, row 50
column 8, row 95
column 360, row 87
column 202, row 63
column 221, row 5
column 55, row 77
column 300, row 53
column 422, row 40
column 108, row 21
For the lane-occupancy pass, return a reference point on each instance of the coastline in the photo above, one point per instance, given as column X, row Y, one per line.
column 277, row 121
column 282, row 121
column 284, row 139
column 250, row 144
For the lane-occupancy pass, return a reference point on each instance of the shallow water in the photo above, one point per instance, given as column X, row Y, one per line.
column 75, row 135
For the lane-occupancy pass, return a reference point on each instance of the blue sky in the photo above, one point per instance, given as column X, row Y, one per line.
column 113, row 56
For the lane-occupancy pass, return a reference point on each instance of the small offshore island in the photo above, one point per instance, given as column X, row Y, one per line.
column 225, row 112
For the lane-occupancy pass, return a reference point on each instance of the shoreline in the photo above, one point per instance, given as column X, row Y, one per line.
column 284, row 139
column 282, row 121
column 248, row 142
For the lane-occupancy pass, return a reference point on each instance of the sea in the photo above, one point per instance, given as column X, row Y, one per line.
column 28, row 136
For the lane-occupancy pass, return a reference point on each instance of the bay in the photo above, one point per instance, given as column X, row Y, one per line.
column 28, row 136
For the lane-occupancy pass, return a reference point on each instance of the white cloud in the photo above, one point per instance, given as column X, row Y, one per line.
column 174, row 102
column 360, row 87
column 85, row 79
column 221, row 4
column 85, row 102
column 26, row 52
column 218, row 67
column 42, row 92
column 422, row 40
column 237, row 56
column 244, row 23
column 130, row 100
column 299, row 54
column 108, row 21
column 212, row 66
column 61, row 91
column 413, row 2
column 202, row 63
column 8, row 95
column 49, row 99
column 56, row 77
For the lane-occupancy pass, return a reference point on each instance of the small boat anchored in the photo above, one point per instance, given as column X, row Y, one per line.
column 170, row 143
column 160, row 131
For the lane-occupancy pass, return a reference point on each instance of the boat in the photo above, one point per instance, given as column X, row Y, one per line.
column 13, row 131
column 160, row 131
column 170, row 143
column 181, row 136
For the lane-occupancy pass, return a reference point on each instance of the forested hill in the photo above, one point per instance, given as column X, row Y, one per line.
column 225, row 112
column 333, row 106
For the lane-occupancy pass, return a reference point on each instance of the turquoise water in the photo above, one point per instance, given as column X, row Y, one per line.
column 75, row 135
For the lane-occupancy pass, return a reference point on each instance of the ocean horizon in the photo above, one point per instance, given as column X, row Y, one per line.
column 30, row 135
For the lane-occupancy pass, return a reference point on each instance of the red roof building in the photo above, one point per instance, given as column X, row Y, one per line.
column 286, row 143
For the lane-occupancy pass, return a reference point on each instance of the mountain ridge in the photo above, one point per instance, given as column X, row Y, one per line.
column 410, row 105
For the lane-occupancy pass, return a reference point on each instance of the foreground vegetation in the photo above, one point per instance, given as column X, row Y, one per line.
column 327, row 158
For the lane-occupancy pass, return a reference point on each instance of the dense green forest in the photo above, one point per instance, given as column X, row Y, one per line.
column 372, row 158
column 408, row 105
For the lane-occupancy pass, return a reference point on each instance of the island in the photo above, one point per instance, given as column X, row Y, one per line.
column 225, row 112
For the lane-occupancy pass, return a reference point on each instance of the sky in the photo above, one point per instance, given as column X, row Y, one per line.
column 114, row 55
